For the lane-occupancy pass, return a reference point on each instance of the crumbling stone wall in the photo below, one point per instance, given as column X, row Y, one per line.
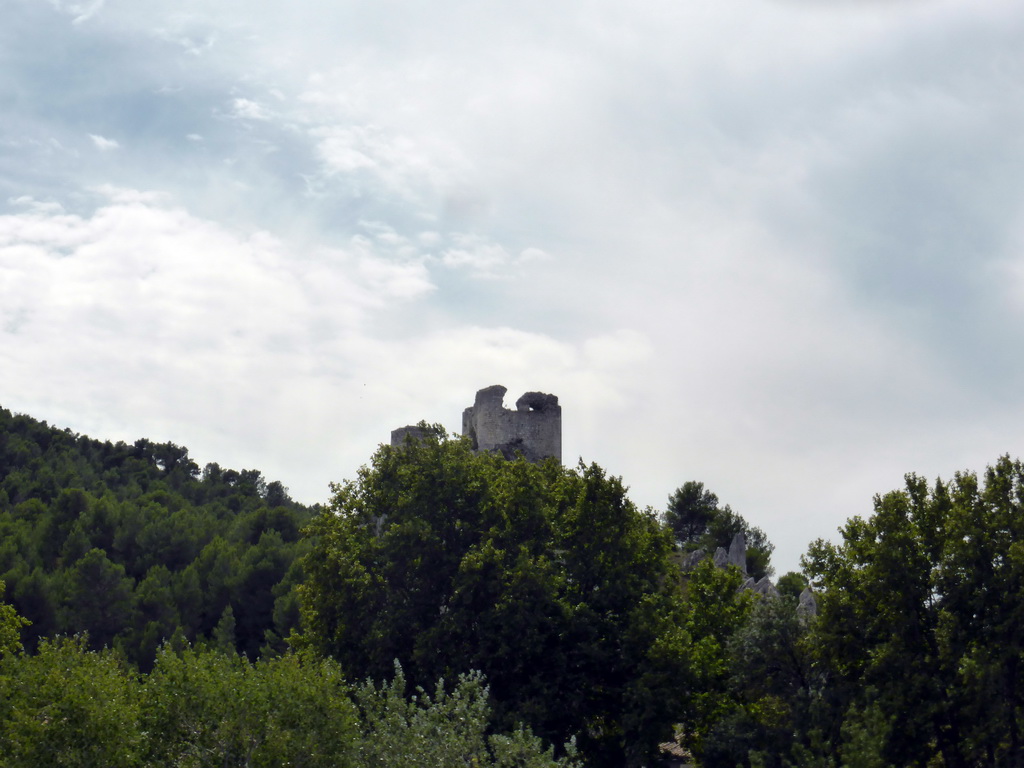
column 415, row 431
column 534, row 428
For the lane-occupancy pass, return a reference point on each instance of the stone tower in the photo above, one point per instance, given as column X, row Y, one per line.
column 534, row 428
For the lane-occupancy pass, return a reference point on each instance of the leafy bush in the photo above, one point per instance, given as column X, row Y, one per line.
column 66, row 706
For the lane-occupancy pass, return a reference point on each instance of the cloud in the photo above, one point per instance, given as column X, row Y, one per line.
column 165, row 320
column 81, row 12
column 103, row 144
column 476, row 253
column 485, row 258
column 247, row 109
column 385, row 162
column 135, row 272
column 775, row 248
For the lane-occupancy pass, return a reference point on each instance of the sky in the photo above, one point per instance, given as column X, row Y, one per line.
column 775, row 246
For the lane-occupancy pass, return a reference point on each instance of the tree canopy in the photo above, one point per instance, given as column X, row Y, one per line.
column 10, row 626
column 66, row 705
column 523, row 603
column 698, row 521
column 922, row 618
column 548, row 580
column 130, row 543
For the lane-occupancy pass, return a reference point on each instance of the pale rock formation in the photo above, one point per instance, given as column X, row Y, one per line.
column 721, row 558
column 765, row 588
column 738, row 552
column 808, row 605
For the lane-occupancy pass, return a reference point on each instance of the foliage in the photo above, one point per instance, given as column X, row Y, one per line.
column 129, row 543
column 10, row 627
column 201, row 707
column 792, row 584
column 698, row 522
column 548, row 580
column 441, row 730
column 64, row 706
column 69, row 706
column 715, row 610
column 923, row 607
column 776, row 684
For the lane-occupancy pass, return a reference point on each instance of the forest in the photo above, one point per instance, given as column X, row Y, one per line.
column 448, row 608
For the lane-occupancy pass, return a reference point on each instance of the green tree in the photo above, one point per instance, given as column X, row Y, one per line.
column 548, row 580
column 776, row 685
column 99, row 598
column 792, row 584
column 202, row 707
column 66, row 706
column 37, row 600
column 10, row 627
column 443, row 729
column 716, row 608
column 691, row 508
column 699, row 522
column 224, row 637
column 129, row 542
column 923, row 605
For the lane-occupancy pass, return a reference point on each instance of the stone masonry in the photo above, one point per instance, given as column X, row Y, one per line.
column 533, row 429
column 414, row 431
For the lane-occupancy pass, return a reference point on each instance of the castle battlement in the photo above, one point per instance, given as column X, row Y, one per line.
column 533, row 429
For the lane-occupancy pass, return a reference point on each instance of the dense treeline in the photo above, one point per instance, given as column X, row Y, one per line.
column 68, row 706
column 915, row 657
column 546, row 579
column 922, row 622
column 134, row 543
column 545, row 582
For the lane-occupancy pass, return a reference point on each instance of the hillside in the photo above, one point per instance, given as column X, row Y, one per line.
column 135, row 543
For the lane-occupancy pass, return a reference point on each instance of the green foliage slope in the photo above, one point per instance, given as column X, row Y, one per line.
column 11, row 625
column 133, row 543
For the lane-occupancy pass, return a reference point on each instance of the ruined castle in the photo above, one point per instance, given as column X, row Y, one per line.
column 533, row 429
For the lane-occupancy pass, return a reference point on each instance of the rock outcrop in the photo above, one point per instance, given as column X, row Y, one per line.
column 808, row 605
column 736, row 555
column 738, row 552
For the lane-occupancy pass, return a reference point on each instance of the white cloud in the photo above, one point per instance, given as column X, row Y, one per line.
column 180, row 329
column 137, row 281
column 80, row 11
column 374, row 160
column 533, row 254
column 476, row 253
column 37, row 206
column 103, row 144
column 247, row 109
column 483, row 257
